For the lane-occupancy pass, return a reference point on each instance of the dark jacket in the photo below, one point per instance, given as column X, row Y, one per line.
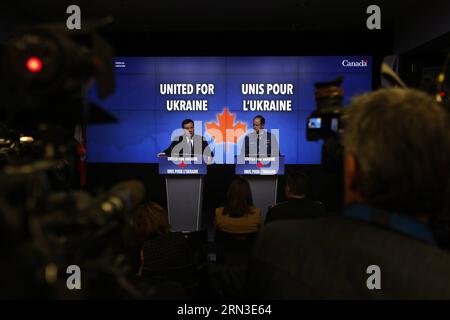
column 166, row 251
column 327, row 258
column 181, row 147
column 295, row 209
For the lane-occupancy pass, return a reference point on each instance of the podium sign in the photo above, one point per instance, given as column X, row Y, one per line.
column 259, row 166
column 182, row 165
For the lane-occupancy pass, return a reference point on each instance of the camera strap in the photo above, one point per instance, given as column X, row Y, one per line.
column 391, row 220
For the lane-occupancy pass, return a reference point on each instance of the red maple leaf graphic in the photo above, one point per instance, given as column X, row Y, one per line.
column 226, row 130
column 259, row 165
column 182, row 165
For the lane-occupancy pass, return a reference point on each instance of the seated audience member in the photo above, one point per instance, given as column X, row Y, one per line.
column 161, row 249
column 238, row 215
column 396, row 178
column 298, row 205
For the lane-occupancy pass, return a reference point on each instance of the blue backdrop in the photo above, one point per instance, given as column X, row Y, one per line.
column 146, row 126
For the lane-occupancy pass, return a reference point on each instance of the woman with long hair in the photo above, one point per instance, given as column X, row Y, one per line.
column 238, row 215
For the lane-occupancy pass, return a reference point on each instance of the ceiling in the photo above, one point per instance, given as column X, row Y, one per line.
column 213, row 15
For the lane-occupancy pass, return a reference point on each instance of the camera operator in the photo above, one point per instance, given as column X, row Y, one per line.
column 396, row 178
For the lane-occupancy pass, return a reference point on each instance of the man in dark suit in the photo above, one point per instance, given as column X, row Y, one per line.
column 188, row 144
column 260, row 142
column 298, row 205
column 396, row 178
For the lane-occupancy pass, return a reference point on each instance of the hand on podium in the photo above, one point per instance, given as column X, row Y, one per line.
column 161, row 154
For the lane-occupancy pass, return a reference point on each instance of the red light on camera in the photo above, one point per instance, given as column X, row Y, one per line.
column 34, row 64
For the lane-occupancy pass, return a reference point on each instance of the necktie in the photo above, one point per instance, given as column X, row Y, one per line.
column 257, row 145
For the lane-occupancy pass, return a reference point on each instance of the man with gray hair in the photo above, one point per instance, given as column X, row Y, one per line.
column 396, row 178
column 396, row 152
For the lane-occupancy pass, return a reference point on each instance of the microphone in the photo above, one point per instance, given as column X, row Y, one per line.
column 391, row 78
column 76, row 210
column 122, row 198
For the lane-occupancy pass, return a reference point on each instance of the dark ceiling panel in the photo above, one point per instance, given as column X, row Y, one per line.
column 171, row 15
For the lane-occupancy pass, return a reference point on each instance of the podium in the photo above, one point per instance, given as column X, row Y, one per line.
column 262, row 175
column 184, row 187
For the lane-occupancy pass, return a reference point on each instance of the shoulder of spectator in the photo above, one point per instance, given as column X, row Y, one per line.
column 257, row 210
column 277, row 205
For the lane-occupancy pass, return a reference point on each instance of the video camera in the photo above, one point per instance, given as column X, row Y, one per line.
column 46, row 73
column 325, row 122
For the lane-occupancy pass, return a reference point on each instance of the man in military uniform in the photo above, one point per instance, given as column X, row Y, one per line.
column 260, row 142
